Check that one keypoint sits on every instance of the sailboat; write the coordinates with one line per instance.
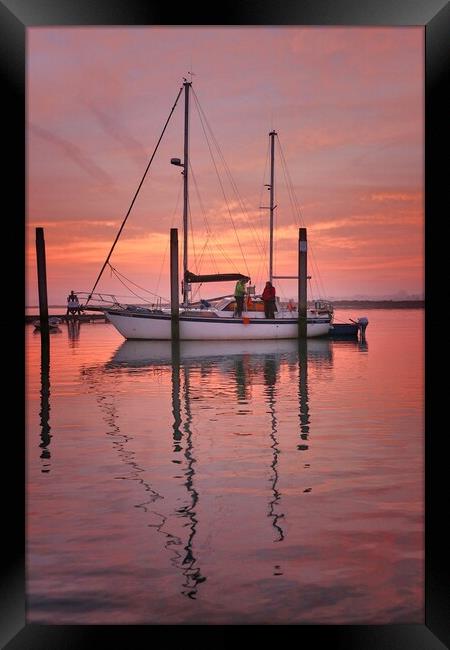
(216, 319)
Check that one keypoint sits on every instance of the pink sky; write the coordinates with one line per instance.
(348, 106)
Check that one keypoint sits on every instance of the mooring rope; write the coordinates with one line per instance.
(204, 121)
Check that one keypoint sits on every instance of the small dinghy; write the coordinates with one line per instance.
(53, 323)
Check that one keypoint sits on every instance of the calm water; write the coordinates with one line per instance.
(245, 484)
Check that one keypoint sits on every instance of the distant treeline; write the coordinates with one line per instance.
(380, 304)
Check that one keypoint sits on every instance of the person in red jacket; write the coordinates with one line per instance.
(268, 297)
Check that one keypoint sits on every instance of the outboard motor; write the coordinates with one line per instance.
(363, 321)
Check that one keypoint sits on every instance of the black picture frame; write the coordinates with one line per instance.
(15, 17)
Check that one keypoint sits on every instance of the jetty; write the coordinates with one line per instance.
(83, 318)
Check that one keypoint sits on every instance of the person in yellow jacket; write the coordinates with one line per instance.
(239, 293)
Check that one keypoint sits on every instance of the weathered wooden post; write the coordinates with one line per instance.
(174, 288)
(175, 322)
(302, 277)
(42, 282)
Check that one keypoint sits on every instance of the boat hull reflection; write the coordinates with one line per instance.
(135, 353)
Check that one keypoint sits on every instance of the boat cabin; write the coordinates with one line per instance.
(250, 304)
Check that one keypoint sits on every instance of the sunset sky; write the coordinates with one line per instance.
(348, 107)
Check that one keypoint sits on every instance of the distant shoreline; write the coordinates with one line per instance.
(380, 304)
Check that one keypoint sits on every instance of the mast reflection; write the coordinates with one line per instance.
(121, 442)
(245, 363)
(270, 378)
(139, 354)
(191, 571)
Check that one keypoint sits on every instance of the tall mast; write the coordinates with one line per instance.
(272, 135)
(187, 85)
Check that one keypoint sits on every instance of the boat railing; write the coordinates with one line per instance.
(99, 300)
(103, 301)
(323, 305)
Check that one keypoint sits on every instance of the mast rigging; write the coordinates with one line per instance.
(133, 200)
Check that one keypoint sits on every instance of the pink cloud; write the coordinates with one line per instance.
(347, 104)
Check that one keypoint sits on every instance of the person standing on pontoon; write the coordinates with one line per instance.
(73, 304)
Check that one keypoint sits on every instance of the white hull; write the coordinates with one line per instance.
(158, 327)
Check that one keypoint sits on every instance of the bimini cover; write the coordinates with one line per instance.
(217, 277)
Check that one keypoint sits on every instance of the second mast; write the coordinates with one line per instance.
(187, 85)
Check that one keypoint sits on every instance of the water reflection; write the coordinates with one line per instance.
(73, 331)
(243, 370)
(134, 354)
(171, 541)
(182, 442)
(176, 403)
(121, 441)
(242, 380)
(44, 413)
(303, 395)
(191, 571)
(363, 346)
(270, 371)
(187, 362)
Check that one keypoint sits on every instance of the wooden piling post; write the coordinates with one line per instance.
(175, 347)
(42, 281)
(174, 288)
(302, 287)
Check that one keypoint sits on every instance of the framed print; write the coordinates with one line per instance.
(118, 528)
